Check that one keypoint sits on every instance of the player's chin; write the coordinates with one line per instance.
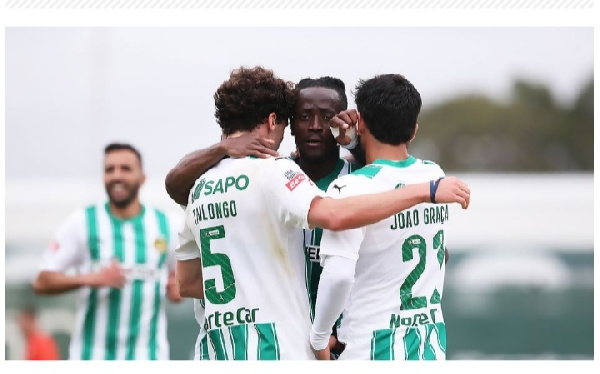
(313, 153)
(120, 202)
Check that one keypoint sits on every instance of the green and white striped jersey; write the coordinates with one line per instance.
(245, 216)
(312, 238)
(127, 323)
(394, 310)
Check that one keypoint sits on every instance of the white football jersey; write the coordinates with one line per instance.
(244, 215)
(394, 310)
(127, 323)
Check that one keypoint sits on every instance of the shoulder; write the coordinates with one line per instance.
(346, 185)
(428, 163)
(280, 165)
(79, 218)
(430, 166)
(367, 171)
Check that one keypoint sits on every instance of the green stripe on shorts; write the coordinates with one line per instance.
(382, 344)
(268, 345)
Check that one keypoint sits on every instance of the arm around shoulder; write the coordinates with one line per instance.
(361, 210)
(181, 177)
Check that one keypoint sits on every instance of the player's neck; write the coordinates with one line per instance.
(317, 170)
(127, 212)
(376, 150)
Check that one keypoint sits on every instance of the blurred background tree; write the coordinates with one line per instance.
(532, 132)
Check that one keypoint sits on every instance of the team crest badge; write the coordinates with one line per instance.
(160, 245)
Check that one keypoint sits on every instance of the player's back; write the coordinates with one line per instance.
(394, 311)
(253, 268)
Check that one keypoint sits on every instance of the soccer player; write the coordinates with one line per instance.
(387, 277)
(244, 215)
(120, 251)
(316, 102)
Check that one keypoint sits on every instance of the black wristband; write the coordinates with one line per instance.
(433, 186)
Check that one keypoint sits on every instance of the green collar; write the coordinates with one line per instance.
(134, 218)
(397, 164)
(324, 182)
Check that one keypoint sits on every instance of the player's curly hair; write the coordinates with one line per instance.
(246, 99)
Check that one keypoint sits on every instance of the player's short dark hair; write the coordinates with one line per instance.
(248, 97)
(335, 84)
(123, 146)
(389, 105)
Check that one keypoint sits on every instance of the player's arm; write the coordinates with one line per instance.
(66, 251)
(333, 293)
(182, 177)
(50, 282)
(189, 277)
(189, 266)
(339, 253)
(298, 202)
(356, 211)
(173, 293)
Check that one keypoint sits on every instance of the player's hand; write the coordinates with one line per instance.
(173, 289)
(453, 190)
(335, 347)
(322, 354)
(249, 144)
(109, 276)
(343, 121)
(295, 154)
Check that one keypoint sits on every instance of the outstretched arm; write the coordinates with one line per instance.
(181, 178)
(357, 211)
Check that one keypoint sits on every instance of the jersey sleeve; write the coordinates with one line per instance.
(288, 191)
(176, 222)
(187, 248)
(345, 243)
(68, 248)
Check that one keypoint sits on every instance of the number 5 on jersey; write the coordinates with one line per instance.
(216, 259)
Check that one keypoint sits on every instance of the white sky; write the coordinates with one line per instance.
(69, 91)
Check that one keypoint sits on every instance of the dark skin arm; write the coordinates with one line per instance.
(182, 177)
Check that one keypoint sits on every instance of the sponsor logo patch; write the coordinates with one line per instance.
(295, 181)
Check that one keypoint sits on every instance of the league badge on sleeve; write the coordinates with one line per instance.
(294, 179)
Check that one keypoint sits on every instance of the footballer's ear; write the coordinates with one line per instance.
(360, 124)
(272, 121)
(414, 133)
